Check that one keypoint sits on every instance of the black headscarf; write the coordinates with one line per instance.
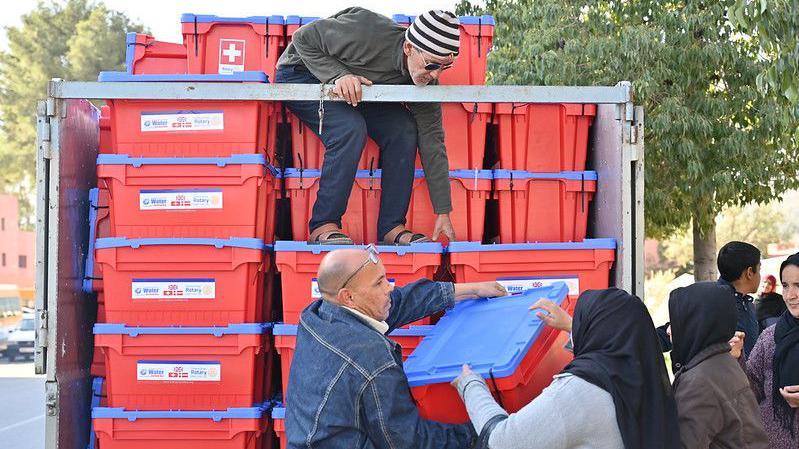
(616, 348)
(769, 305)
(785, 367)
(701, 315)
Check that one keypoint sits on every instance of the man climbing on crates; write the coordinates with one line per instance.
(357, 47)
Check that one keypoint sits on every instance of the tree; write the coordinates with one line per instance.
(74, 40)
(712, 139)
(776, 25)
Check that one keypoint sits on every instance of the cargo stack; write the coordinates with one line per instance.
(182, 226)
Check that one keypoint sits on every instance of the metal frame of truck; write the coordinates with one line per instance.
(67, 140)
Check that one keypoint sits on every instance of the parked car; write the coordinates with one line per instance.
(22, 338)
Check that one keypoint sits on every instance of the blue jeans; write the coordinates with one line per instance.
(344, 133)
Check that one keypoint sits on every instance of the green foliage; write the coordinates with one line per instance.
(711, 139)
(775, 23)
(71, 40)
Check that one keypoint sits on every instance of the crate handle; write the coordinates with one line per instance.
(582, 192)
(479, 36)
(196, 44)
(496, 389)
(266, 36)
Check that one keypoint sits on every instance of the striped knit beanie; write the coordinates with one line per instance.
(435, 32)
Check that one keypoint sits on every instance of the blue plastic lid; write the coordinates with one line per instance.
(239, 77)
(130, 50)
(235, 242)
(235, 159)
(378, 173)
(415, 248)
(520, 174)
(205, 18)
(471, 174)
(493, 336)
(88, 269)
(134, 331)
(412, 331)
(468, 247)
(279, 413)
(465, 20)
(300, 20)
(214, 415)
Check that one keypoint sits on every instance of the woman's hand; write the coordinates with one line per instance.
(555, 316)
(466, 371)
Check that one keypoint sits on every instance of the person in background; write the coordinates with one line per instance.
(715, 403)
(769, 306)
(615, 394)
(739, 267)
(773, 367)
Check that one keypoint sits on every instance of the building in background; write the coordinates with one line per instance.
(17, 262)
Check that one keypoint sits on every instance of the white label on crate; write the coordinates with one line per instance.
(173, 288)
(180, 199)
(231, 56)
(518, 285)
(182, 121)
(316, 294)
(178, 371)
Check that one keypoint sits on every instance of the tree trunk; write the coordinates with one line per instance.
(705, 254)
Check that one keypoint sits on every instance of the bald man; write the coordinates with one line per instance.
(347, 387)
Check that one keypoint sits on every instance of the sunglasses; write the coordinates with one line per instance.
(432, 66)
(371, 256)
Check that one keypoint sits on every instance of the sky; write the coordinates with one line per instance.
(163, 16)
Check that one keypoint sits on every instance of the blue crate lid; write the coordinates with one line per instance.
(571, 175)
(300, 20)
(415, 248)
(88, 269)
(492, 335)
(378, 173)
(412, 331)
(134, 331)
(471, 174)
(238, 77)
(206, 18)
(130, 49)
(465, 20)
(214, 415)
(279, 413)
(235, 242)
(235, 159)
(469, 247)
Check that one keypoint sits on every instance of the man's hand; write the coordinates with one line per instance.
(465, 371)
(443, 225)
(554, 316)
(791, 395)
(737, 344)
(348, 87)
(489, 289)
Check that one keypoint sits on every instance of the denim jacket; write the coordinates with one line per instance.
(347, 388)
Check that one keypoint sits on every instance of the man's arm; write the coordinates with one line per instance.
(430, 136)
(393, 421)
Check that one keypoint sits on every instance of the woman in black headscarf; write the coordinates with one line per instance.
(773, 366)
(618, 369)
(769, 306)
(715, 403)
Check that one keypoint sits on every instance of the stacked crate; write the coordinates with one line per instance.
(182, 226)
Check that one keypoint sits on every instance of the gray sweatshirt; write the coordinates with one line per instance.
(359, 42)
(569, 414)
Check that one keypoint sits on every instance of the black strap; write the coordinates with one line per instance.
(485, 434)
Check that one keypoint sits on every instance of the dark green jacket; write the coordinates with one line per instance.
(359, 42)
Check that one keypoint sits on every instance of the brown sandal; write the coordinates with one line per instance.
(400, 233)
(329, 234)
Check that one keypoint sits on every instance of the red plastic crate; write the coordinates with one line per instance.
(105, 144)
(185, 282)
(476, 39)
(225, 45)
(470, 189)
(185, 368)
(150, 128)
(543, 207)
(190, 197)
(145, 55)
(543, 137)
(582, 266)
(360, 220)
(293, 23)
(232, 428)
(279, 424)
(285, 342)
(298, 263)
(99, 227)
(308, 151)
